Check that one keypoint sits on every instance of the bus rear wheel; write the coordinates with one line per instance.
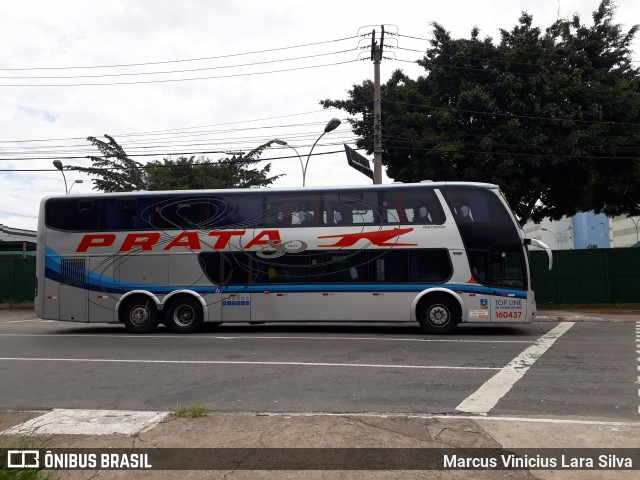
(183, 315)
(139, 314)
(438, 314)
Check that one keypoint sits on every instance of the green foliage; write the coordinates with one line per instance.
(191, 412)
(202, 173)
(26, 441)
(116, 172)
(552, 117)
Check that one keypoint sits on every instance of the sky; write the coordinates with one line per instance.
(169, 78)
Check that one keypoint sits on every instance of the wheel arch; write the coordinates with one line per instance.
(145, 293)
(191, 293)
(438, 290)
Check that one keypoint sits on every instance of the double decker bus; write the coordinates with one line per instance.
(435, 253)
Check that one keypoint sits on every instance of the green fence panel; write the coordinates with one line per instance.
(587, 276)
(17, 278)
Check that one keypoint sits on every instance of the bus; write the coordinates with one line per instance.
(433, 253)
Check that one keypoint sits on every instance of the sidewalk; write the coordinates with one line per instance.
(345, 431)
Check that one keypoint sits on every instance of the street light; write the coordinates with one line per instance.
(282, 142)
(331, 126)
(58, 165)
(559, 236)
(75, 181)
(555, 235)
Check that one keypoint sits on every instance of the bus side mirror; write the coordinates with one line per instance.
(537, 243)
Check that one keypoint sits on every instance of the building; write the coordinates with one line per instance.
(624, 231)
(586, 230)
(16, 241)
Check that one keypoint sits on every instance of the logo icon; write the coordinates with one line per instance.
(23, 459)
(275, 249)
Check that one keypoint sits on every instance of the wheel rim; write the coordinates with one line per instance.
(438, 315)
(139, 315)
(184, 315)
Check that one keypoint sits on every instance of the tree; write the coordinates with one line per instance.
(202, 173)
(116, 172)
(553, 117)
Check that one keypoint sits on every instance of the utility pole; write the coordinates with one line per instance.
(376, 56)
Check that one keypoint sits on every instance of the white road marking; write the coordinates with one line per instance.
(88, 422)
(487, 396)
(260, 337)
(229, 362)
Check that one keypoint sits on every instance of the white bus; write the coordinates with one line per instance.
(433, 253)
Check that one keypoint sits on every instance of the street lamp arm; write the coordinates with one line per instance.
(304, 169)
(329, 127)
(58, 164)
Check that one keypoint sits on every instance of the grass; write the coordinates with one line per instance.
(29, 441)
(191, 411)
(26, 475)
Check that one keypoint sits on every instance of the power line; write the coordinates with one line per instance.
(159, 132)
(139, 82)
(17, 214)
(176, 71)
(184, 60)
(512, 115)
(147, 166)
(393, 140)
(156, 143)
(156, 154)
(511, 49)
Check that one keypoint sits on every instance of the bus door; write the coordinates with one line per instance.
(228, 272)
(235, 300)
(508, 283)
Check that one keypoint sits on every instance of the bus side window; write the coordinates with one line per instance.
(413, 205)
(423, 216)
(465, 214)
(478, 262)
(431, 265)
(118, 214)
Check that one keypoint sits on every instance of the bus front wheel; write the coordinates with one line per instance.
(183, 315)
(139, 314)
(438, 314)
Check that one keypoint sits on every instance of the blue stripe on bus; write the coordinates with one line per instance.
(97, 282)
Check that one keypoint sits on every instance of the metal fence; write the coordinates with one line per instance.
(610, 275)
(17, 276)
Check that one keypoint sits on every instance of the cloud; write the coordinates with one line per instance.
(70, 33)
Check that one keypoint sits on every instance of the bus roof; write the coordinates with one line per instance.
(305, 190)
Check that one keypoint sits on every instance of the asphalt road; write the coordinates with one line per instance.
(585, 370)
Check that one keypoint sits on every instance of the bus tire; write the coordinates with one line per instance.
(438, 314)
(183, 315)
(139, 314)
